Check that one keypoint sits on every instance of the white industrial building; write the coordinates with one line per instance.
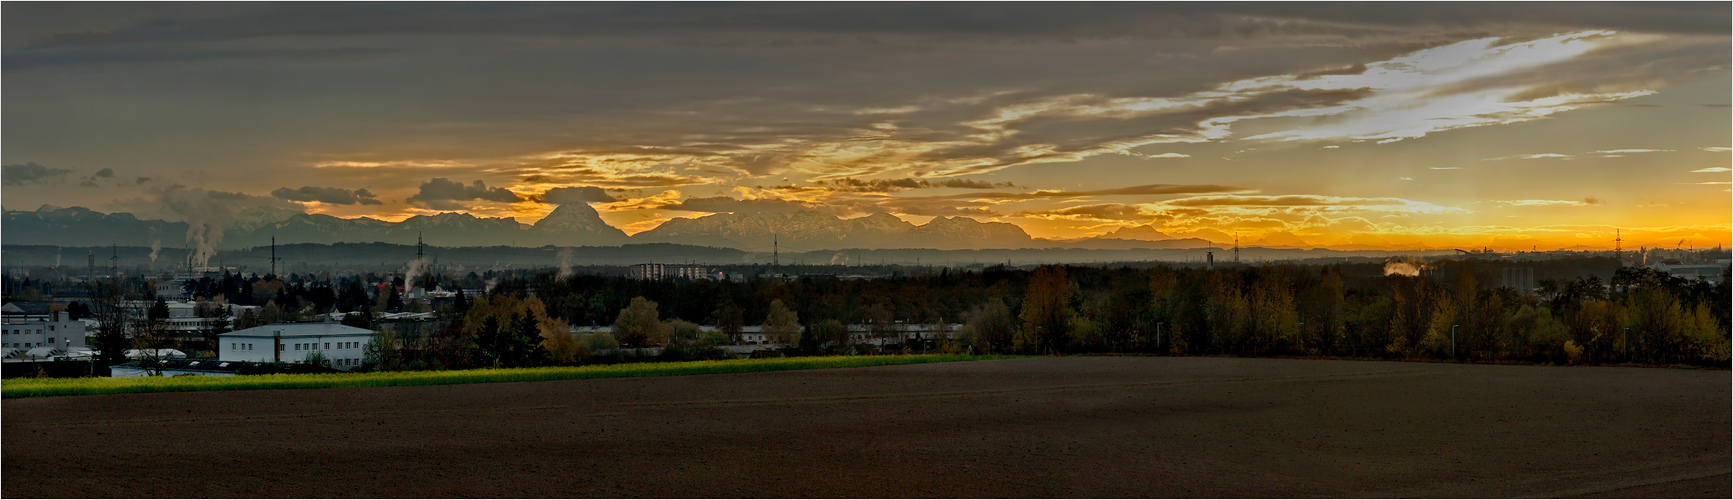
(183, 322)
(293, 342)
(1706, 272)
(34, 327)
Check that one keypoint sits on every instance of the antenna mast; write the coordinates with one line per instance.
(1618, 247)
(1236, 248)
(273, 255)
(418, 246)
(114, 260)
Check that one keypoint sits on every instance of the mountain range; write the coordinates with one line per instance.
(572, 224)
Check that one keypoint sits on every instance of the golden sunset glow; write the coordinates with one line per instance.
(1383, 132)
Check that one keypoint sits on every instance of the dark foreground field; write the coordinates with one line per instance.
(1039, 427)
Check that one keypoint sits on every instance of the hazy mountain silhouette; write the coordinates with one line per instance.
(568, 225)
(813, 230)
(572, 224)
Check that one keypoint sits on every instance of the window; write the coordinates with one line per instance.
(327, 345)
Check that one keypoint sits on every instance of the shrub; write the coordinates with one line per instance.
(1573, 352)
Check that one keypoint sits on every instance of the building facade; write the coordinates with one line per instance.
(27, 326)
(673, 271)
(294, 342)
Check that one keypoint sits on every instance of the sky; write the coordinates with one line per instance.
(1508, 125)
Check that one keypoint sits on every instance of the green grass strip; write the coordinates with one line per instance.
(29, 388)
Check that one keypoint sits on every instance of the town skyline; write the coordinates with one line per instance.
(1510, 126)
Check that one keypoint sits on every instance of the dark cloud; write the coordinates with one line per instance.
(1147, 189)
(105, 175)
(720, 204)
(831, 23)
(28, 61)
(143, 179)
(889, 185)
(443, 194)
(1105, 211)
(27, 173)
(330, 195)
(1298, 200)
(581, 194)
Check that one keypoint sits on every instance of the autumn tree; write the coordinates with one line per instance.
(728, 318)
(639, 325)
(991, 325)
(1228, 312)
(1047, 311)
(832, 331)
(781, 325)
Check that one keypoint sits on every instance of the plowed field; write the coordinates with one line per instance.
(1036, 427)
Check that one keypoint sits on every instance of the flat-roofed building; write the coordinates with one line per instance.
(294, 342)
(33, 325)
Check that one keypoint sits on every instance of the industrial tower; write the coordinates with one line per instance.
(1618, 246)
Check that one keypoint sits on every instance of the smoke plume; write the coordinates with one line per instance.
(206, 215)
(416, 269)
(1405, 267)
(566, 255)
(155, 247)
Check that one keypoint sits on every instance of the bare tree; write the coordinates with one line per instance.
(113, 318)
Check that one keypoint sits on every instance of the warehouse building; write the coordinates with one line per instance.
(294, 342)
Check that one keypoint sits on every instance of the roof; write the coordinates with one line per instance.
(298, 330)
(192, 365)
(159, 353)
(21, 307)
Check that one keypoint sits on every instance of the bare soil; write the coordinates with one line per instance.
(1039, 427)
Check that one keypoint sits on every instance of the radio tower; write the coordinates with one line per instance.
(774, 252)
(1618, 247)
(92, 256)
(1236, 248)
(274, 258)
(418, 246)
(114, 261)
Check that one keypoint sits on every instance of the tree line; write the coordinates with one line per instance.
(1583, 311)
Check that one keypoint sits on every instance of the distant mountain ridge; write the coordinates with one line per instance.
(567, 225)
(812, 230)
(572, 224)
